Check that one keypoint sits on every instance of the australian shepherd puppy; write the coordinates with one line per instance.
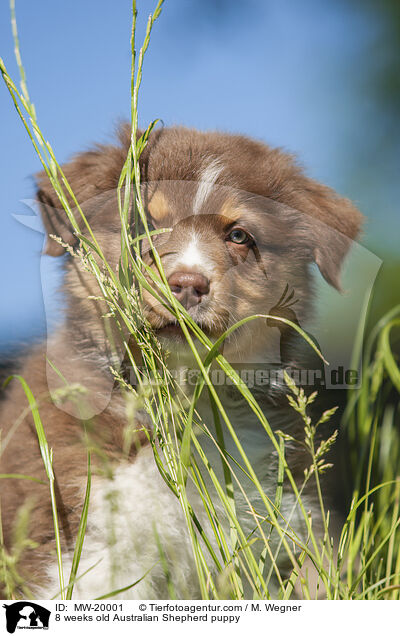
(244, 225)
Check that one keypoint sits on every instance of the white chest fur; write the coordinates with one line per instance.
(134, 513)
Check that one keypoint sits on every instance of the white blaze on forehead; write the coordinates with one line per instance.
(206, 183)
(191, 256)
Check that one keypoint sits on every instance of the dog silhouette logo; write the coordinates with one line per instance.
(26, 615)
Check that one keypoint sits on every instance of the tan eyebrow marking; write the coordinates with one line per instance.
(158, 206)
(231, 209)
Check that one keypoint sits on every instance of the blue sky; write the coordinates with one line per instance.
(293, 74)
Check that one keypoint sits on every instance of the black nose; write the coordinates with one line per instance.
(189, 288)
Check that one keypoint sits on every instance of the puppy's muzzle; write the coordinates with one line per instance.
(189, 288)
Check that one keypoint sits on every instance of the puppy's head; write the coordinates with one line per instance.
(244, 224)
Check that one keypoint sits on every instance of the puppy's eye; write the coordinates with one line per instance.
(238, 236)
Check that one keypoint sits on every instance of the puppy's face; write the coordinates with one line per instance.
(242, 224)
(226, 256)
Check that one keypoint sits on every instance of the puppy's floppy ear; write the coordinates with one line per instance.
(329, 224)
(54, 219)
(89, 174)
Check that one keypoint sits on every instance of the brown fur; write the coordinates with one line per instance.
(296, 220)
